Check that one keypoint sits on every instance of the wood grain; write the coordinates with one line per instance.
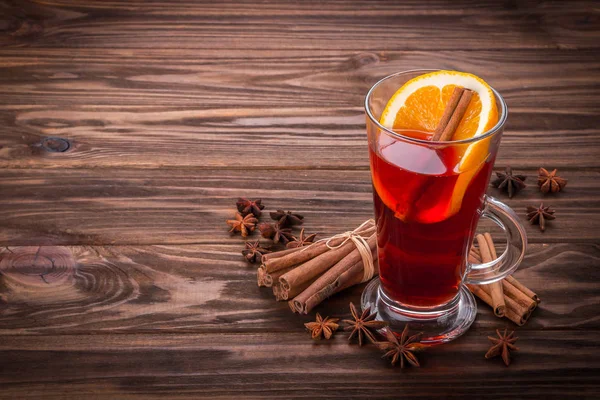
(305, 25)
(182, 206)
(133, 289)
(269, 365)
(128, 129)
(162, 107)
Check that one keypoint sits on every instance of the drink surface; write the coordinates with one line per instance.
(425, 225)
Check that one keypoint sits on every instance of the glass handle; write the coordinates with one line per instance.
(516, 243)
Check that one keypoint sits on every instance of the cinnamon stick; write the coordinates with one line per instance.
(273, 277)
(453, 113)
(511, 314)
(290, 259)
(260, 276)
(448, 112)
(287, 294)
(486, 247)
(304, 254)
(474, 257)
(292, 307)
(324, 287)
(519, 303)
(516, 307)
(277, 293)
(459, 113)
(350, 277)
(278, 254)
(490, 243)
(528, 292)
(511, 292)
(316, 266)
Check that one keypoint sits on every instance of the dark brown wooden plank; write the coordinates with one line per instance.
(303, 25)
(174, 110)
(549, 365)
(211, 288)
(184, 206)
(143, 108)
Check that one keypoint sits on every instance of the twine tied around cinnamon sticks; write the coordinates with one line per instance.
(361, 245)
(308, 275)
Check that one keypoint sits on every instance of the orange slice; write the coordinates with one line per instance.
(419, 105)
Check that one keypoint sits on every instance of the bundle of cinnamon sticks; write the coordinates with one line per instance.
(508, 298)
(305, 276)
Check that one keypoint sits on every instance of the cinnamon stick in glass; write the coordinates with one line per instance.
(453, 113)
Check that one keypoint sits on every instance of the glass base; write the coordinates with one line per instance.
(439, 325)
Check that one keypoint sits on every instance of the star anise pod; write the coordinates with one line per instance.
(509, 182)
(287, 218)
(246, 206)
(363, 325)
(539, 215)
(275, 232)
(322, 327)
(301, 241)
(244, 225)
(549, 182)
(502, 346)
(402, 349)
(254, 251)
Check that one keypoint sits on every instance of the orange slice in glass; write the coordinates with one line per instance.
(419, 105)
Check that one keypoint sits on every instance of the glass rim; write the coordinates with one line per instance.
(490, 132)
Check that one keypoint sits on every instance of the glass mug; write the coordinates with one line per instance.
(428, 198)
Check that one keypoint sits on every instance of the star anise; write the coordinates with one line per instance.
(502, 346)
(549, 182)
(254, 251)
(363, 325)
(402, 349)
(301, 241)
(245, 225)
(287, 218)
(539, 215)
(509, 182)
(275, 232)
(246, 206)
(322, 327)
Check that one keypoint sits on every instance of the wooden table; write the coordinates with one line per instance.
(129, 129)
